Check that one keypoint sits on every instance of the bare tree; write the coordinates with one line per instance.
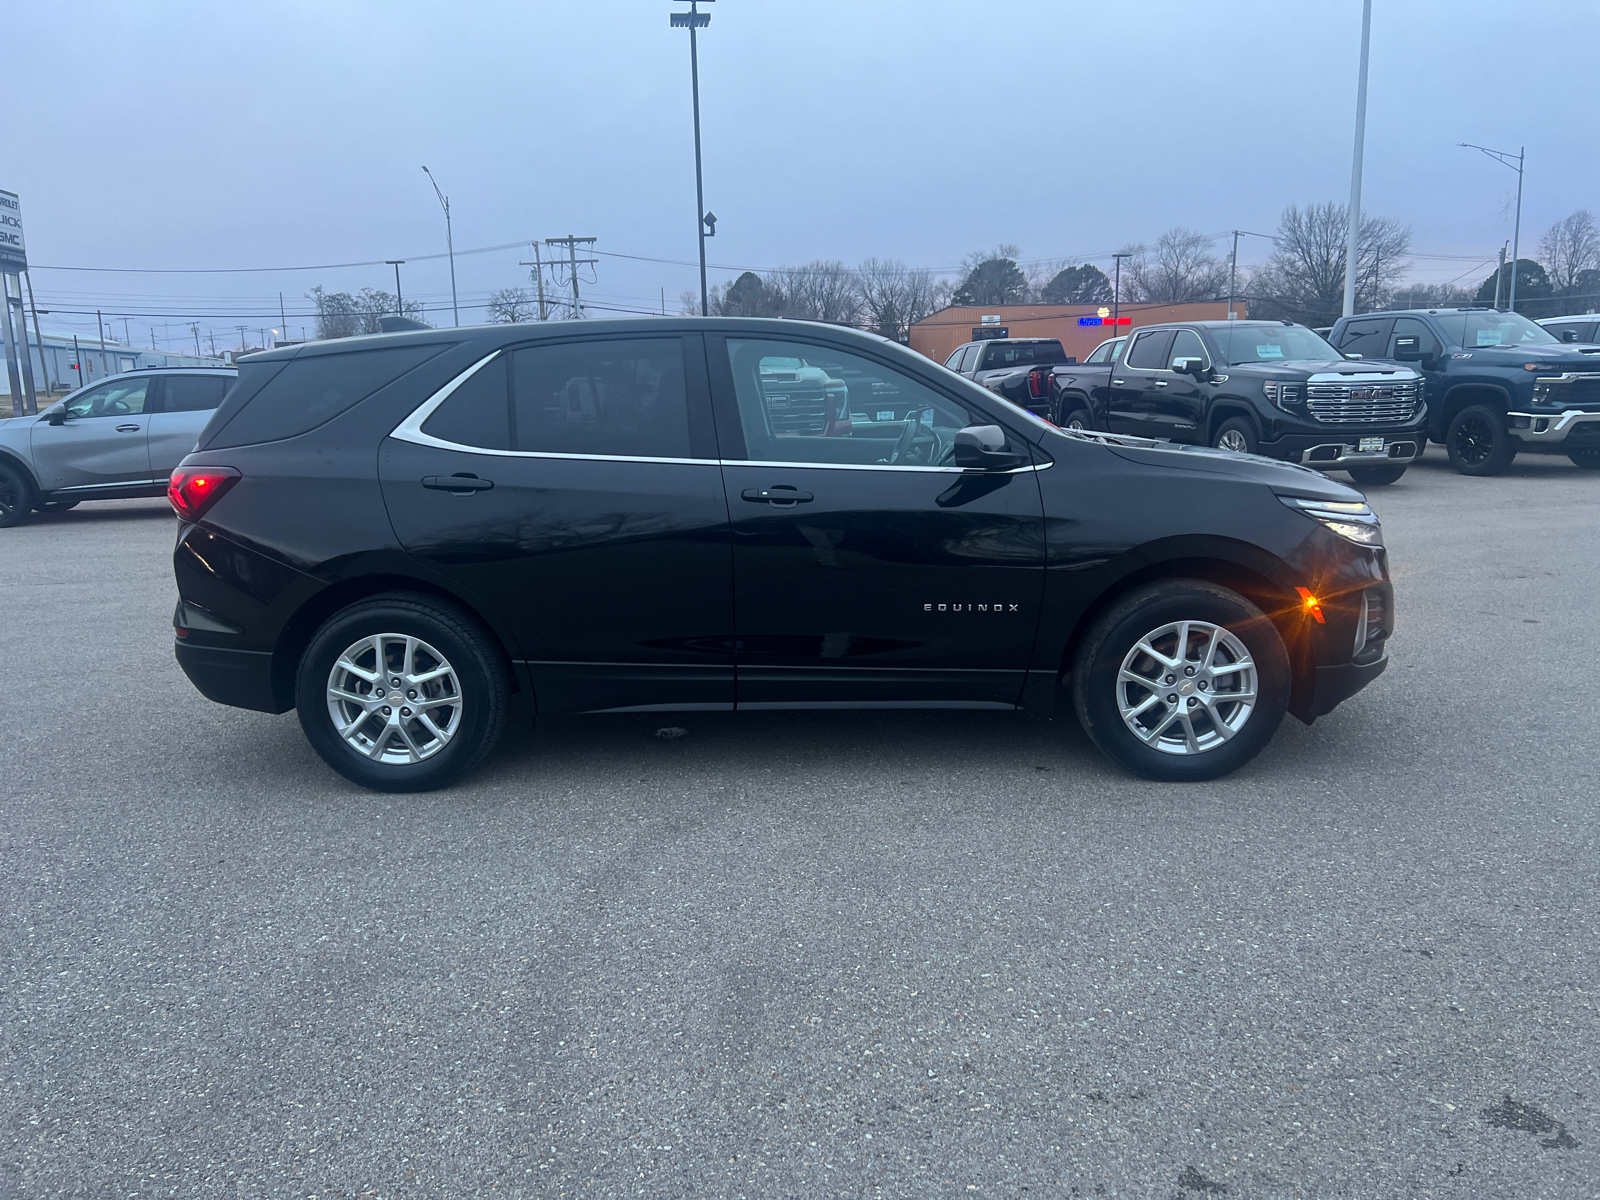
(1303, 280)
(511, 305)
(819, 291)
(1568, 249)
(893, 296)
(1429, 295)
(1178, 269)
(337, 316)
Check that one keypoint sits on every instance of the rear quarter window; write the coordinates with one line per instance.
(307, 392)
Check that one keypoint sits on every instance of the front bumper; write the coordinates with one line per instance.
(1334, 448)
(1536, 430)
(1334, 685)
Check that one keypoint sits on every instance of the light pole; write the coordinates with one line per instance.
(695, 20)
(1353, 237)
(449, 242)
(399, 302)
(1503, 157)
(1116, 293)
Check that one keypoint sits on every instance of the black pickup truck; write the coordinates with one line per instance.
(1004, 365)
(1496, 382)
(1258, 387)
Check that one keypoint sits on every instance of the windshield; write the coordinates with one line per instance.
(1494, 329)
(1271, 343)
(1023, 354)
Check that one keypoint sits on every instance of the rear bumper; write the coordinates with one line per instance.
(242, 678)
(1538, 431)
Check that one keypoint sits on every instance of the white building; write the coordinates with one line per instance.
(69, 362)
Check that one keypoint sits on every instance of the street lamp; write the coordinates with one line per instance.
(705, 223)
(1503, 157)
(1352, 244)
(449, 241)
(399, 302)
(1116, 291)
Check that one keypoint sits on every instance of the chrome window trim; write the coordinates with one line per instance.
(1133, 341)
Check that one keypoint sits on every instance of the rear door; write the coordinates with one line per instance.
(868, 569)
(573, 487)
(182, 408)
(102, 443)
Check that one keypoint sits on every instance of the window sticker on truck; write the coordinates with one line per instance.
(1269, 351)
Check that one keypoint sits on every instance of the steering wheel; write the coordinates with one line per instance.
(918, 445)
(115, 407)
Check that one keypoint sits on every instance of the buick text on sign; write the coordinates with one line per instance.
(13, 254)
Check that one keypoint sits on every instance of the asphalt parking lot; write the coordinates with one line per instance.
(835, 954)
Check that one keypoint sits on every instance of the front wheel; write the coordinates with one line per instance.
(1181, 680)
(1377, 476)
(16, 497)
(402, 693)
(1235, 434)
(1078, 418)
(1589, 460)
(1478, 442)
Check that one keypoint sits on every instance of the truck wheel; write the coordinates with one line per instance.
(16, 497)
(1181, 680)
(1078, 418)
(1478, 443)
(1371, 476)
(401, 693)
(1589, 460)
(1235, 434)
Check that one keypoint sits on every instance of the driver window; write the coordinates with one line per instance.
(805, 403)
(117, 398)
(1187, 344)
(1411, 327)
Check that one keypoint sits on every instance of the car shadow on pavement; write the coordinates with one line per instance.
(92, 512)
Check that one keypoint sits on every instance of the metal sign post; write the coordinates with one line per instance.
(13, 262)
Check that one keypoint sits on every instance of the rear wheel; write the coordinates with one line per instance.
(1589, 460)
(1181, 680)
(16, 497)
(1078, 418)
(1235, 434)
(1478, 443)
(1370, 476)
(402, 693)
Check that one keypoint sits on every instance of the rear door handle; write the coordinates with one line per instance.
(780, 496)
(460, 485)
(129, 428)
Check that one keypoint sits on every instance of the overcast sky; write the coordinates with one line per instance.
(211, 135)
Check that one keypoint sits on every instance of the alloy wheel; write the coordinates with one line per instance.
(1473, 441)
(1186, 687)
(1234, 440)
(393, 698)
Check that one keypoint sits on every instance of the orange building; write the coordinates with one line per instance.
(1078, 327)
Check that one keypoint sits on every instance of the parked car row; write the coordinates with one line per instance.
(1366, 400)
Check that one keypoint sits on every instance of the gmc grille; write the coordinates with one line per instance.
(1362, 403)
(795, 407)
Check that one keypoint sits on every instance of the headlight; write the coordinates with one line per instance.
(1354, 522)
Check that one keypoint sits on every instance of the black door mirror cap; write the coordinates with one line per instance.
(58, 417)
(1569, 335)
(979, 447)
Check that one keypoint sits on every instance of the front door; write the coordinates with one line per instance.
(572, 486)
(102, 443)
(868, 569)
(1145, 361)
(1174, 401)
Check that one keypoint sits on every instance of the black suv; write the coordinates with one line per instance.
(1272, 388)
(394, 533)
(1497, 383)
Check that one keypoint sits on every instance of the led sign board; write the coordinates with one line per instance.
(1105, 320)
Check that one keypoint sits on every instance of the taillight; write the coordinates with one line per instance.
(1036, 383)
(192, 490)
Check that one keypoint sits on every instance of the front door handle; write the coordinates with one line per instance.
(1160, 383)
(457, 485)
(779, 496)
(1119, 382)
(129, 428)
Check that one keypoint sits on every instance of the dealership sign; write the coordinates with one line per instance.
(13, 254)
(1105, 320)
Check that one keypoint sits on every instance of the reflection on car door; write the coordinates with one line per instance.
(183, 405)
(572, 488)
(867, 570)
(1128, 410)
(103, 441)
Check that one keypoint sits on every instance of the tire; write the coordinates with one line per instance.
(16, 497)
(1478, 443)
(1235, 434)
(1588, 460)
(1078, 418)
(1377, 476)
(440, 742)
(55, 506)
(1155, 615)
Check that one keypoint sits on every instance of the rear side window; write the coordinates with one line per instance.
(1365, 338)
(1025, 354)
(1149, 351)
(310, 391)
(478, 412)
(601, 397)
(954, 361)
(192, 393)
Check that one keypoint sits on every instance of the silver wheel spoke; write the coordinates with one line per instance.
(1233, 668)
(427, 676)
(1191, 743)
(426, 722)
(424, 703)
(1145, 704)
(1155, 654)
(353, 697)
(344, 664)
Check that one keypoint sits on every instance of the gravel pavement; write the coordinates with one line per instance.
(928, 954)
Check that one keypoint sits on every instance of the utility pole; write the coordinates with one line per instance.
(399, 304)
(694, 20)
(538, 276)
(1499, 277)
(211, 334)
(573, 263)
(241, 329)
(283, 320)
(1352, 239)
(1503, 157)
(1116, 292)
(77, 361)
(1233, 270)
(126, 336)
(104, 370)
(449, 243)
(44, 366)
(195, 329)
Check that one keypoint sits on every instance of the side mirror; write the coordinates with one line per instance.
(1189, 366)
(59, 417)
(1569, 335)
(1408, 349)
(1351, 354)
(978, 447)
